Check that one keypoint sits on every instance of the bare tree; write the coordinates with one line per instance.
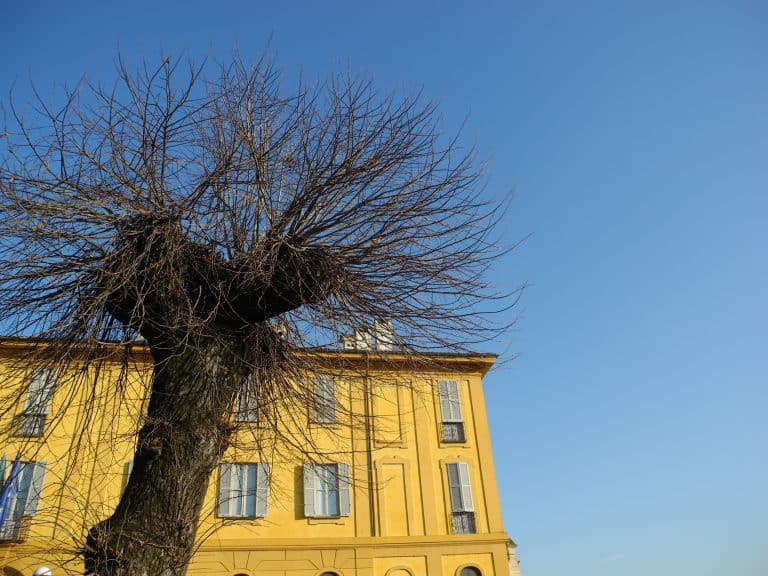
(237, 227)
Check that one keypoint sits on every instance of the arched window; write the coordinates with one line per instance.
(329, 574)
(470, 571)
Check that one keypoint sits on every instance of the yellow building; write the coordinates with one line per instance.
(401, 483)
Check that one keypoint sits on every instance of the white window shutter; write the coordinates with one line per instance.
(225, 481)
(309, 490)
(35, 489)
(325, 399)
(466, 488)
(450, 403)
(345, 501)
(262, 489)
(40, 391)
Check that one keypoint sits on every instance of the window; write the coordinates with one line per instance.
(247, 409)
(243, 490)
(324, 393)
(450, 409)
(326, 490)
(462, 506)
(21, 485)
(470, 571)
(32, 419)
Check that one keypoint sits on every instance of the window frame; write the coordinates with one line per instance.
(249, 502)
(460, 498)
(324, 399)
(37, 403)
(20, 494)
(323, 499)
(248, 396)
(451, 413)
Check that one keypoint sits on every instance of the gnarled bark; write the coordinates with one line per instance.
(186, 431)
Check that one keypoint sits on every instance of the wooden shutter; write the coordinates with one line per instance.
(225, 481)
(345, 500)
(310, 481)
(450, 403)
(262, 489)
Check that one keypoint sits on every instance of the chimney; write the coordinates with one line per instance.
(384, 334)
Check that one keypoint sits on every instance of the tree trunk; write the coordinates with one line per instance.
(186, 432)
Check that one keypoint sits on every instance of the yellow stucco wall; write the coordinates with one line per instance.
(400, 504)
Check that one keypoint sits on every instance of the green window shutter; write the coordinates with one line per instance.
(309, 490)
(345, 504)
(37, 476)
(262, 489)
(225, 480)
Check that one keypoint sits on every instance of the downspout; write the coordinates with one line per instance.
(369, 445)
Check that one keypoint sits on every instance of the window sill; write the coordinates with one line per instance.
(328, 520)
(250, 519)
(443, 444)
(334, 424)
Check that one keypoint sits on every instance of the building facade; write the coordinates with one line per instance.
(399, 480)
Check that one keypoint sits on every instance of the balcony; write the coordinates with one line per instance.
(30, 424)
(15, 529)
(453, 433)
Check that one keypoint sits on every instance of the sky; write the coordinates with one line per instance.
(629, 412)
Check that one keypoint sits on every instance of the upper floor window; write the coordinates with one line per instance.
(470, 571)
(450, 410)
(20, 488)
(243, 490)
(326, 490)
(324, 400)
(462, 505)
(41, 386)
(247, 407)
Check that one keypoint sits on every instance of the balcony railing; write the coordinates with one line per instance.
(463, 523)
(30, 424)
(14, 529)
(453, 432)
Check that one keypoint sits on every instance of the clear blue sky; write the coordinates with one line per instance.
(630, 432)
